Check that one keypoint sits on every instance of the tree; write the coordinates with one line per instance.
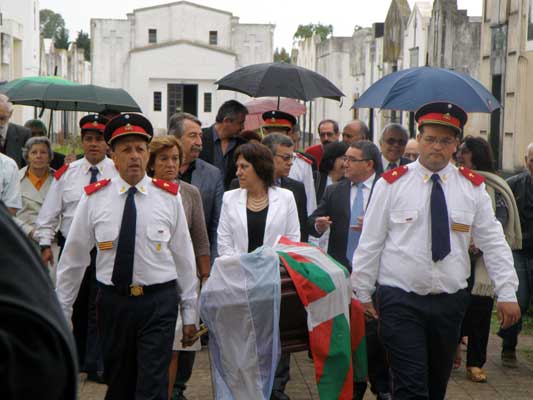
(50, 23)
(282, 56)
(84, 42)
(306, 31)
(61, 39)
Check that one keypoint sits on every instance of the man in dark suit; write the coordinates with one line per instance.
(12, 136)
(221, 139)
(341, 210)
(208, 179)
(392, 142)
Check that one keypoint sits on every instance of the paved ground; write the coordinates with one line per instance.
(503, 383)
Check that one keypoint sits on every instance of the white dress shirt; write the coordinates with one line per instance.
(163, 247)
(395, 245)
(63, 197)
(302, 171)
(9, 182)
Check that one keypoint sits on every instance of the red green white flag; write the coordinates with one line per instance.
(336, 340)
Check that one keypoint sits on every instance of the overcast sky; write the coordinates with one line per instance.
(286, 14)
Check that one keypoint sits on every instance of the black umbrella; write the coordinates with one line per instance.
(281, 80)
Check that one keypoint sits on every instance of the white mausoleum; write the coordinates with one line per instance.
(169, 56)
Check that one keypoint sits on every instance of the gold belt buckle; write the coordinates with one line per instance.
(136, 291)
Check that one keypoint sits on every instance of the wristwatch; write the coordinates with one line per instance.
(44, 246)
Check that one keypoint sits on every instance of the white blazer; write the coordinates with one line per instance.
(282, 219)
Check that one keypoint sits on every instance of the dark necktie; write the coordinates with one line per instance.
(94, 173)
(123, 268)
(440, 225)
(391, 166)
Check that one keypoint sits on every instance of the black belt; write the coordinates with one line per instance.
(137, 290)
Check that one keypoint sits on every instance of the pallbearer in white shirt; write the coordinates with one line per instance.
(415, 240)
(139, 228)
(58, 211)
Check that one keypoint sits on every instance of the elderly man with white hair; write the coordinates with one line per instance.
(12, 136)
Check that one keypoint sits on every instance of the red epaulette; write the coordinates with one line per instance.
(394, 174)
(302, 157)
(476, 179)
(61, 171)
(170, 187)
(96, 186)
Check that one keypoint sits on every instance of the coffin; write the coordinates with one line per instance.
(294, 333)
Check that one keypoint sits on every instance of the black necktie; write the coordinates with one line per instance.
(391, 166)
(94, 173)
(440, 226)
(123, 268)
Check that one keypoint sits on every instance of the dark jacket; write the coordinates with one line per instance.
(34, 335)
(208, 154)
(521, 185)
(16, 138)
(298, 190)
(335, 203)
(208, 179)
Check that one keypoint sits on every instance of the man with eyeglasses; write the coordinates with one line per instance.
(276, 121)
(328, 132)
(392, 142)
(415, 241)
(341, 211)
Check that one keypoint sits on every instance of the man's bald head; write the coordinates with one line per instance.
(411, 149)
(355, 130)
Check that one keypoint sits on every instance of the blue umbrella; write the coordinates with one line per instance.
(409, 89)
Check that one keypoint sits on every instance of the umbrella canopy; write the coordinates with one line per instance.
(279, 79)
(257, 107)
(410, 89)
(90, 98)
(11, 88)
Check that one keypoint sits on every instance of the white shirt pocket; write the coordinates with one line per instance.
(158, 237)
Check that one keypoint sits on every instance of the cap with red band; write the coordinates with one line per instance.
(127, 125)
(93, 122)
(276, 118)
(442, 113)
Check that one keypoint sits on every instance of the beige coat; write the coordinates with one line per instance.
(32, 200)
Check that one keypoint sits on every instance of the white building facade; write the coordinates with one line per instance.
(169, 56)
(19, 44)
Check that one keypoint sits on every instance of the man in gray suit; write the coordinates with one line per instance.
(208, 179)
(13, 137)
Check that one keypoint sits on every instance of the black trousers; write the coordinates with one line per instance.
(184, 372)
(378, 366)
(476, 325)
(137, 335)
(420, 335)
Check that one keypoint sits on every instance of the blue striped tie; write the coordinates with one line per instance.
(357, 211)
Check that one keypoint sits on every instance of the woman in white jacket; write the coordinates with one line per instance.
(258, 212)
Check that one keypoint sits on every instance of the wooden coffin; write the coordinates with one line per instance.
(294, 333)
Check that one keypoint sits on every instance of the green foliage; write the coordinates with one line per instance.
(50, 23)
(306, 31)
(61, 39)
(282, 55)
(84, 42)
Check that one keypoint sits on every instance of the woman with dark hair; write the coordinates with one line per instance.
(475, 153)
(257, 212)
(331, 168)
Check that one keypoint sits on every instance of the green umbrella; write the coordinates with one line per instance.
(89, 98)
(10, 88)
